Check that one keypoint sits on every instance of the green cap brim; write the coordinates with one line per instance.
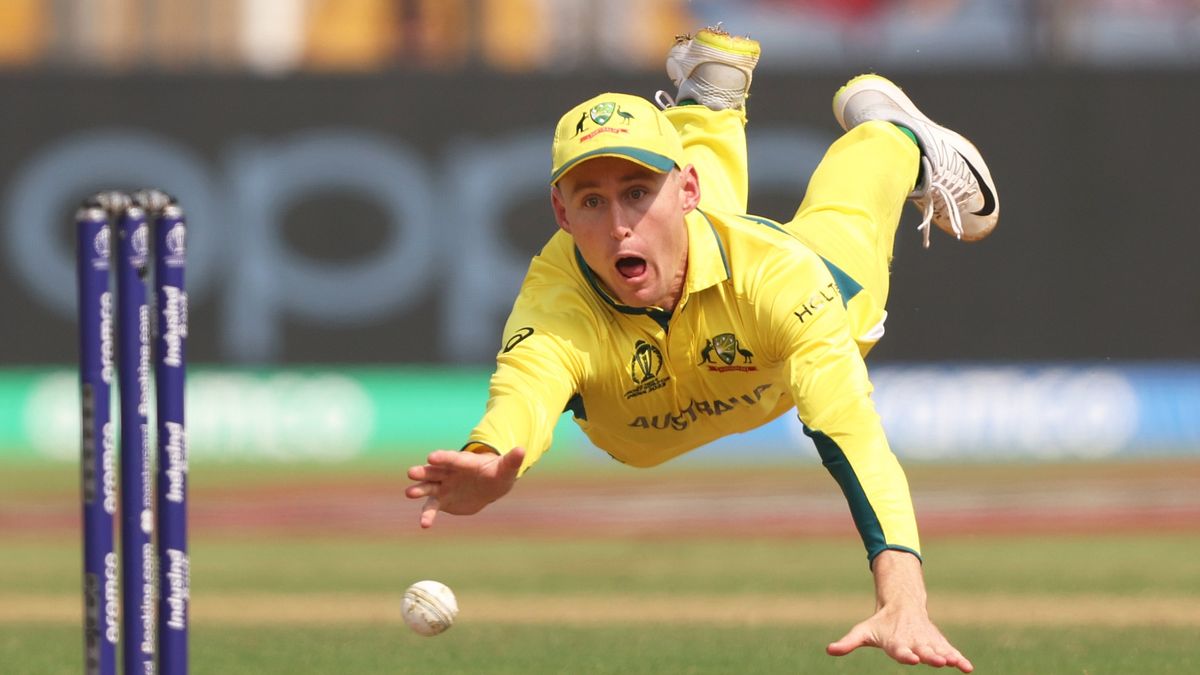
(652, 160)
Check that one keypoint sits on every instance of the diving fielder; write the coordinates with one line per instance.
(664, 317)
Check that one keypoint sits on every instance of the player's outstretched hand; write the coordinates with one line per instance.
(901, 626)
(462, 483)
(907, 639)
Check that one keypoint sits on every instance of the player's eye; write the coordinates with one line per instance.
(637, 193)
(591, 202)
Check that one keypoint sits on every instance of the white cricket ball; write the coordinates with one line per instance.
(429, 607)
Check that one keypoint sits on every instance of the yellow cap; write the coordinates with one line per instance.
(616, 125)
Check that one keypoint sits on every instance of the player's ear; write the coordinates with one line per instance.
(559, 204)
(689, 185)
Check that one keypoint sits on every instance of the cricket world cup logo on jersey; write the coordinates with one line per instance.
(645, 368)
(727, 350)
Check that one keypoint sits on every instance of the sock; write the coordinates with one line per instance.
(920, 167)
(907, 132)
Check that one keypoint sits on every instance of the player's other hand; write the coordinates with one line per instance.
(901, 626)
(462, 483)
(909, 640)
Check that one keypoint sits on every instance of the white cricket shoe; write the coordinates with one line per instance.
(957, 192)
(713, 68)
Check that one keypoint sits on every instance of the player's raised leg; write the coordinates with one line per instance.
(891, 153)
(851, 211)
(956, 191)
(712, 71)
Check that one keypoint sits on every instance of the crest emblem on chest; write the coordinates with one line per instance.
(725, 349)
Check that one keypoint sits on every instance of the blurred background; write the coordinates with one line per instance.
(366, 181)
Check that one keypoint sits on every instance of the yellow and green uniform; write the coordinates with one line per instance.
(772, 316)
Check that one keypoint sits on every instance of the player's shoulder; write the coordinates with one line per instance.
(753, 241)
(554, 288)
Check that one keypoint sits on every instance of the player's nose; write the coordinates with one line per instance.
(620, 225)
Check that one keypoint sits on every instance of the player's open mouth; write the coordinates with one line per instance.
(631, 267)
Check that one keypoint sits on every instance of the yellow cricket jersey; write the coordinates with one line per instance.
(762, 326)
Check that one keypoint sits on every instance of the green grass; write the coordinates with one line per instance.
(663, 650)
(1128, 568)
(1149, 564)
(1158, 565)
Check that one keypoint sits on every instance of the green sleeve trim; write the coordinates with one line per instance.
(896, 547)
(838, 465)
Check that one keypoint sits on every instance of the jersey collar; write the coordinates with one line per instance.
(707, 263)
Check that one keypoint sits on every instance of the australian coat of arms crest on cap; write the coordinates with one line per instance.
(602, 112)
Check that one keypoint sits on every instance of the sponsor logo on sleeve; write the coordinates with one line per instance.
(516, 339)
(816, 302)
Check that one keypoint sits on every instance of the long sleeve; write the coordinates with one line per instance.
(538, 369)
(828, 381)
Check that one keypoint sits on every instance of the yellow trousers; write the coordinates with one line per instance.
(850, 212)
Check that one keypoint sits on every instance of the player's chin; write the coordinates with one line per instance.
(640, 299)
(637, 292)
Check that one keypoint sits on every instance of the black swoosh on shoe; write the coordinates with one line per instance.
(989, 199)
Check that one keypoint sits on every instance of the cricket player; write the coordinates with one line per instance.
(662, 316)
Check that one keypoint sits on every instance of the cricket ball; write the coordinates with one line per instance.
(429, 607)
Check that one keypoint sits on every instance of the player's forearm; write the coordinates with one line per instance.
(876, 490)
(516, 417)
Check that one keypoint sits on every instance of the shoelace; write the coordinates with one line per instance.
(940, 194)
(710, 94)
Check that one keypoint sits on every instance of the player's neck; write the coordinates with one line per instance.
(675, 289)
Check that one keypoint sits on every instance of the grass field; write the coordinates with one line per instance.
(282, 597)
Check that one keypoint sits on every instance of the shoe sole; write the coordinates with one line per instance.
(729, 43)
(740, 53)
(962, 146)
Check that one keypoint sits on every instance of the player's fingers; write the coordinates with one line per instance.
(510, 463)
(929, 656)
(421, 490)
(903, 655)
(459, 461)
(955, 659)
(944, 654)
(429, 512)
(439, 458)
(419, 472)
(429, 473)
